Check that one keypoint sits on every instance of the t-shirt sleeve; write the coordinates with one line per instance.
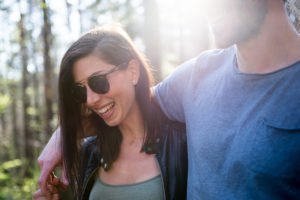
(170, 93)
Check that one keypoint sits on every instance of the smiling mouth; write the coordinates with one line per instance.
(105, 109)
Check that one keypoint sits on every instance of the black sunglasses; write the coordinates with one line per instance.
(97, 82)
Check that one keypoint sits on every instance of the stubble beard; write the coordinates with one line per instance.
(244, 29)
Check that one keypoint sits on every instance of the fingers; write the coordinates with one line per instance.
(52, 189)
(64, 177)
(62, 186)
(52, 194)
(54, 180)
(45, 174)
(55, 197)
(57, 182)
(38, 195)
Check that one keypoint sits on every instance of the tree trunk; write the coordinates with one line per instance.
(15, 131)
(48, 69)
(37, 117)
(152, 37)
(29, 151)
(80, 16)
(69, 10)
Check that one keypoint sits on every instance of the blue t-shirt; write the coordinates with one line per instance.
(243, 129)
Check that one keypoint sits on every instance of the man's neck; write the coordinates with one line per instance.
(275, 46)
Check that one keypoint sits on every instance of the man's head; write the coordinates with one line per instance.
(235, 21)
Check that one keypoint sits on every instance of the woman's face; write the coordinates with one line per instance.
(119, 102)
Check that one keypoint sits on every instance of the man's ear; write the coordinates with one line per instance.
(134, 70)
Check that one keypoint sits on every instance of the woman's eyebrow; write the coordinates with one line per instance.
(98, 73)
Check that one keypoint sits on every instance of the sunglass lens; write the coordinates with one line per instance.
(99, 84)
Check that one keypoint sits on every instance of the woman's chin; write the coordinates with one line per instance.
(111, 123)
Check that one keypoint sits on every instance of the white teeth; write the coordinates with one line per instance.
(106, 108)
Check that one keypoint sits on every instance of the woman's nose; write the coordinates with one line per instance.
(91, 97)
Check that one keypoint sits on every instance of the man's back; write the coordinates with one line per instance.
(243, 129)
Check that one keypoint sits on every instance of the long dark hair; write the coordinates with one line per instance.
(113, 45)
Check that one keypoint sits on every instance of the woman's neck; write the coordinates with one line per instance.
(132, 128)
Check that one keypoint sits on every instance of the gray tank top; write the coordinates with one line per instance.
(145, 190)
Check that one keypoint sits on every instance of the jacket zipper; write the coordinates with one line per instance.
(162, 178)
(83, 191)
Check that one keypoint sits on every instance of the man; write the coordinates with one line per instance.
(240, 104)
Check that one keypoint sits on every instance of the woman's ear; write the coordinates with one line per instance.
(134, 70)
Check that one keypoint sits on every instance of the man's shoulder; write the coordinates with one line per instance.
(210, 54)
(205, 63)
(208, 61)
(295, 67)
(215, 57)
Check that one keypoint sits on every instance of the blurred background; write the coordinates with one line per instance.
(34, 34)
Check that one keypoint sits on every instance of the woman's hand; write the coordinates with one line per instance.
(52, 189)
(38, 195)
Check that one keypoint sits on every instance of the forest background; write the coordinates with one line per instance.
(34, 35)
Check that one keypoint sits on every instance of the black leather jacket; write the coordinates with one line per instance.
(170, 151)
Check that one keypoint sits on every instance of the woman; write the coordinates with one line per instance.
(137, 153)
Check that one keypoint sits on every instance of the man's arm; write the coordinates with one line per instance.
(49, 159)
(51, 156)
(169, 94)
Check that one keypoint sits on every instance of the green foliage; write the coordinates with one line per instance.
(13, 185)
(4, 102)
(8, 165)
(43, 5)
(32, 111)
